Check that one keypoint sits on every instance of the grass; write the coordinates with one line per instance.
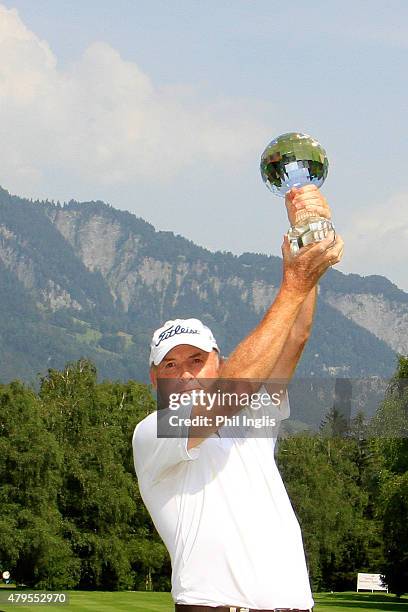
(358, 602)
(97, 601)
(127, 337)
(89, 335)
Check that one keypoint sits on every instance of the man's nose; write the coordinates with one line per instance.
(185, 374)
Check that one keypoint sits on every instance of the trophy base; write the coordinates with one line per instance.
(308, 231)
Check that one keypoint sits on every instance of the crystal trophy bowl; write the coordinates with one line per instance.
(295, 160)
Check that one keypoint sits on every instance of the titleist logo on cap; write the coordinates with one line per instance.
(173, 331)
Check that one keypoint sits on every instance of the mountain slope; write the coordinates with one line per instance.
(94, 281)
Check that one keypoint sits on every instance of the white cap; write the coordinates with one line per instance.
(180, 331)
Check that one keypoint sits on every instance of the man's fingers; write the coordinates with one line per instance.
(337, 246)
(323, 250)
(313, 202)
(338, 259)
(304, 189)
(328, 262)
(306, 267)
(318, 248)
(297, 192)
(308, 195)
(314, 199)
(321, 211)
(336, 253)
(285, 247)
(330, 256)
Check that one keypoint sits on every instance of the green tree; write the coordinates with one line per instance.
(103, 515)
(323, 482)
(32, 546)
(390, 428)
(395, 532)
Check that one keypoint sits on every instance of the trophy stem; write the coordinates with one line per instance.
(307, 229)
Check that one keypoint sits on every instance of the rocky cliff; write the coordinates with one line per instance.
(99, 280)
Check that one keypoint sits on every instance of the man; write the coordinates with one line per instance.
(218, 500)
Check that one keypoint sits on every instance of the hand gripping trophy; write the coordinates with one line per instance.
(295, 160)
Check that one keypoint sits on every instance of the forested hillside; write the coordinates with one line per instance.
(87, 280)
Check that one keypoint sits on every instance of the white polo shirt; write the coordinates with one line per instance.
(223, 513)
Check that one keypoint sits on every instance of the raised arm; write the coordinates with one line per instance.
(296, 341)
(309, 198)
(258, 354)
(287, 325)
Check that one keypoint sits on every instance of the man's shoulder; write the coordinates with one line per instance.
(144, 441)
(146, 426)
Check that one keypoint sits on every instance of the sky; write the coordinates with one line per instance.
(164, 108)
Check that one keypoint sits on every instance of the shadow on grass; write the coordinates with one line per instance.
(364, 601)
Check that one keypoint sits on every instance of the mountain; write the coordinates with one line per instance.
(87, 280)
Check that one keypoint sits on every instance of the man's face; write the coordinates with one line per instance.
(186, 364)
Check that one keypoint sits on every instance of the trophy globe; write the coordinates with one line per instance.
(295, 160)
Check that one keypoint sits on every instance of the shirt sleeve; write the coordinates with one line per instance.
(155, 457)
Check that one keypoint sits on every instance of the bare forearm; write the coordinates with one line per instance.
(258, 353)
(296, 340)
(302, 326)
(253, 358)
(276, 344)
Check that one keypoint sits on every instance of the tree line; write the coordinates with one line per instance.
(72, 516)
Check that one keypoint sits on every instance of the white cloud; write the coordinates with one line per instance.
(102, 120)
(376, 240)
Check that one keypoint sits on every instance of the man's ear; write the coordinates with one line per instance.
(153, 376)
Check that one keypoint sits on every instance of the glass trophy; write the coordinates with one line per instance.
(295, 160)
